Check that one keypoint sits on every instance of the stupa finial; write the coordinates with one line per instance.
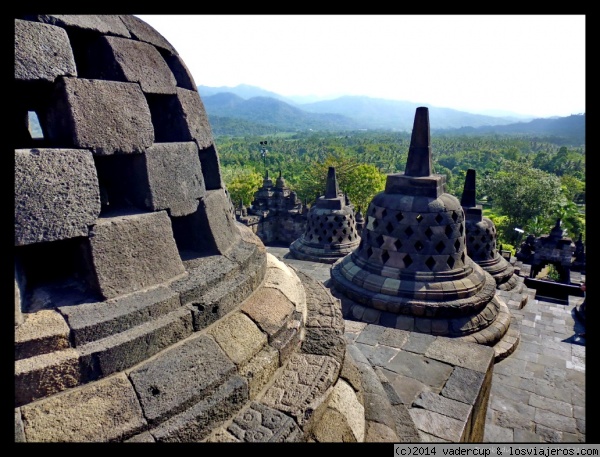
(468, 196)
(419, 154)
(331, 189)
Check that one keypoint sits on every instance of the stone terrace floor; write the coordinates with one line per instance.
(538, 393)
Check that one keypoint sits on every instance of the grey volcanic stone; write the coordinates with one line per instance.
(196, 118)
(56, 194)
(133, 252)
(145, 32)
(260, 423)
(107, 410)
(93, 321)
(197, 422)
(464, 385)
(42, 52)
(108, 117)
(122, 59)
(174, 177)
(180, 377)
(106, 23)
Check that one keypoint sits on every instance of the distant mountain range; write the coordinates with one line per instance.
(252, 110)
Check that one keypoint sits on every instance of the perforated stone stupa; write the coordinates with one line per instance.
(482, 237)
(411, 269)
(331, 231)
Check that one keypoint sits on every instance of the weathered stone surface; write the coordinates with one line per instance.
(238, 337)
(42, 52)
(439, 404)
(464, 385)
(380, 433)
(269, 309)
(107, 117)
(93, 321)
(467, 355)
(196, 423)
(421, 368)
(174, 177)
(344, 420)
(123, 350)
(281, 277)
(145, 32)
(46, 374)
(180, 376)
(19, 431)
(260, 423)
(303, 387)
(121, 59)
(196, 122)
(438, 425)
(43, 332)
(105, 23)
(133, 252)
(56, 194)
(107, 410)
(324, 341)
(260, 370)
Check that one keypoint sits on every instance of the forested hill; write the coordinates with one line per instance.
(231, 114)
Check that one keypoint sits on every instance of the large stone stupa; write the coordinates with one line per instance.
(411, 270)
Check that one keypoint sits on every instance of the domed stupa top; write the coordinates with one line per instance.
(330, 229)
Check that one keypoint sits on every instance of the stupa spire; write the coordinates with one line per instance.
(331, 189)
(419, 153)
(468, 196)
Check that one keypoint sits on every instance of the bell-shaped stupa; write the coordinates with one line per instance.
(330, 229)
(411, 270)
(481, 240)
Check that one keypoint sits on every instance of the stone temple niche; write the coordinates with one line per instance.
(481, 240)
(411, 270)
(144, 311)
(330, 229)
(556, 249)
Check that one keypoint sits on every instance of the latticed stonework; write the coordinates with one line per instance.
(482, 240)
(331, 231)
(411, 269)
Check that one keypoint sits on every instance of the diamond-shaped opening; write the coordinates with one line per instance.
(344, 231)
(419, 246)
(409, 231)
(325, 231)
(319, 239)
(321, 225)
(454, 216)
(477, 246)
(340, 224)
(440, 247)
(330, 225)
(383, 213)
(379, 241)
(430, 262)
(471, 239)
(428, 233)
(385, 256)
(487, 230)
(462, 257)
(373, 210)
(488, 246)
(483, 239)
(419, 218)
(407, 261)
(350, 237)
(399, 216)
(457, 245)
(448, 231)
(450, 262)
(375, 223)
(336, 218)
(439, 218)
(398, 244)
(340, 239)
(389, 227)
(330, 239)
(461, 229)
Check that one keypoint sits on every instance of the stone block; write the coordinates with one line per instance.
(43, 332)
(260, 370)
(121, 59)
(180, 376)
(238, 337)
(105, 23)
(133, 252)
(196, 423)
(42, 52)
(107, 117)
(56, 194)
(107, 410)
(145, 32)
